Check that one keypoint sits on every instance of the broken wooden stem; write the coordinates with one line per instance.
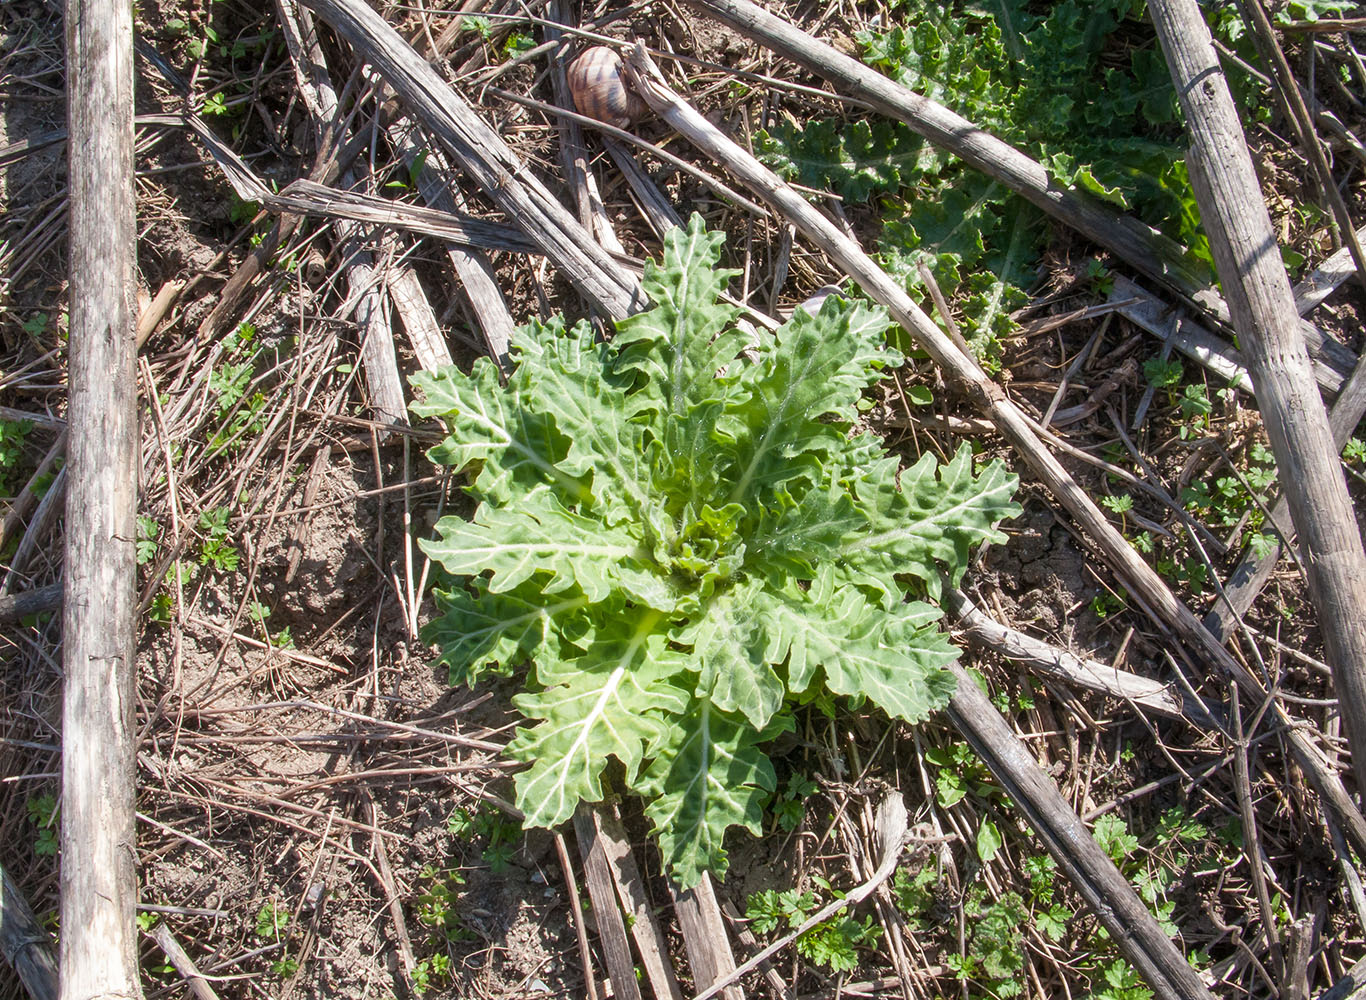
(1259, 295)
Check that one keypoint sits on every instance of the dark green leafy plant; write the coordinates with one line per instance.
(961, 772)
(1079, 85)
(995, 951)
(914, 893)
(271, 920)
(217, 551)
(148, 534)
(682, 542)
(1312, 10)
(238, 414)
(790, 806)
(42, 813)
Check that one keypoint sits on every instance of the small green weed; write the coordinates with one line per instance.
(914, 893)
(436, 906)
(1164, 373)
(271, 921)
(432, 971)
(273, 924)
(989, 841)
(1102, 280)
(162, 609)
(197, 47)
(409, 181)
(1235, 500)
(482, 25)
(501, 836)
(239, 214)
(994, 956)
(280, 638)
(1312, 10)
(919, 395)
(961, 772)
(1113, 835)
(146, 921)
(42, 813)
(238, 415)
(1119, 503)
(790, 806)
(518, 44)
(13, 434)
(40, 484)
(832, 944)
(1050, 915)
(216, 551)
(438, 911)
(36, 325)
(1105, 604)
(284, 967)
(770, 909)
(1196, 407)
(148, 533)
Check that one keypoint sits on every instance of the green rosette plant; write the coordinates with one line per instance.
(684, 536)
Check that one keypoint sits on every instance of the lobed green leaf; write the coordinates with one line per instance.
(682, 541)
(930, 516)
(613, 701)
(709, 775)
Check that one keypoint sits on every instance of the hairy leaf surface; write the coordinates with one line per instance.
(614, 701)
(679, 540)
(710, 775)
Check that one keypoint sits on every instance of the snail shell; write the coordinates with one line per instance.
(600, 91)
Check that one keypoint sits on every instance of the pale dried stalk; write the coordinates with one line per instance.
(98, 836)
(1258, 290)
(1059, 664)
(486, 157)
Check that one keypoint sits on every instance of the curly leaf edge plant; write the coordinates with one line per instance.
(685, 536)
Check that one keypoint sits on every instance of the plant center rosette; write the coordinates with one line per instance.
(682, 543)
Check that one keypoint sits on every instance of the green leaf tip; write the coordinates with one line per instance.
(681, 535)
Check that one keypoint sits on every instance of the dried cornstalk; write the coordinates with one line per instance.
(1258, 290)
(99, 882)
(486, 157)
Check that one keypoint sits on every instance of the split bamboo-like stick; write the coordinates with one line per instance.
(597, 872)
(1060, 664)
(99, 880)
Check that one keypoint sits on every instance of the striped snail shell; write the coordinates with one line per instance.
(600, 91)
